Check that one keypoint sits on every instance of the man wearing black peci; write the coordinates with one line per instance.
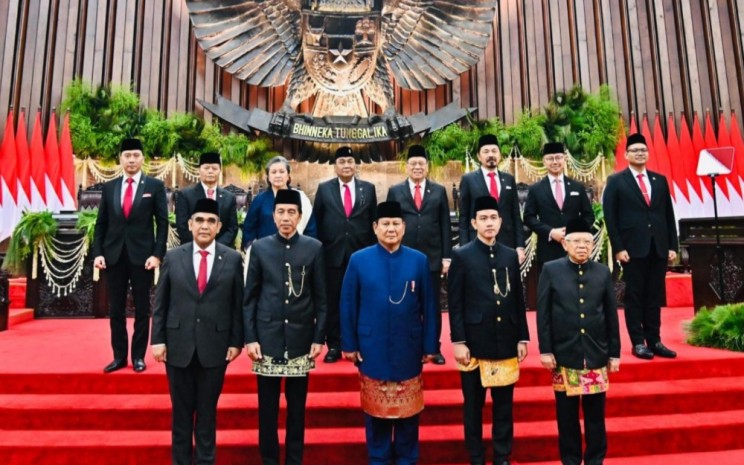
(210, 167)
(426, 213)
(127, 247)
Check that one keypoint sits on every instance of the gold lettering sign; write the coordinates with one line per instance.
(306, 131)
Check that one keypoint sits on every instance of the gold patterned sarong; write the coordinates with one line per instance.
(580, 382)
(392, 399)
(270, 366)
(494, 373)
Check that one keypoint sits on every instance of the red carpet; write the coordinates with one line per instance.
(57, 407)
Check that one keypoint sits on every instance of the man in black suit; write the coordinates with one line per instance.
(552, 202)
(427, 216)
(643, 233)
(210, 167)
(501, 186)
(284, 314)
(489, 330)
(579, 338)
(344, 211)
(126, 246)
(197, 329)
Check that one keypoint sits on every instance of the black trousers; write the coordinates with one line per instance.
(645, 294)
(295, 392)
(119, 277)
(436, 284)
(194, 392)
(334, 281)
(569, 429)
(502, 430)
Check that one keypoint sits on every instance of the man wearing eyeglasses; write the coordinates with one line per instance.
(643, 233)
(552, 202)
(579, 337)
(426, 213)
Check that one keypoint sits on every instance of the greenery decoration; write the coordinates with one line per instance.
(720, 328)
(86, 224)
(32, 229)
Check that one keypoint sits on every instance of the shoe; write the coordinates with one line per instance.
(139, 365)
(663, 351)
(502, 462)
(117, 364)
(332, 356)
(641, 351)
(438, 359)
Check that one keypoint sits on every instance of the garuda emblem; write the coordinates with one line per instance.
(340, 51)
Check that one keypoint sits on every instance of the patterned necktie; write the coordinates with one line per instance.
(494, 189)
(210, 194)
(347, 201)
(417, 197)
(201, 280)
(126, 206)
(558, 193)
(644, 191)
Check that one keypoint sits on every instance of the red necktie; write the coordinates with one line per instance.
(201, 280)
(347, 201)
(644, 191)
(558, 193)
(210, 194)
(417, 197)
(494, 189)
(126, 206)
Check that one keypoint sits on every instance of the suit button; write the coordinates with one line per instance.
(498, 318)
(583, 331)
(286, 283)
(286, 321)
(287, 245)
(581, 301)
(582, 315)
(198, 320)
(491, 255)
(581, 286)
(286, 301)
(498, 302)
(649, 225)
(581, 273)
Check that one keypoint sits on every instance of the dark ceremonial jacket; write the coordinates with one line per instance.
(388, 312)
(343, 236)
(576, 314)
(186, 203)
(186, 321)
(113, 231)
(472, 186)
(632, 224)
(274, 315)
(427, 230)
(541, 213)
(489, 324)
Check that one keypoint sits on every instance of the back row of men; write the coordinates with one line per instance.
(345, 218)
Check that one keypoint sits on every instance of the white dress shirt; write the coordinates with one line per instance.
(205, 191)
(352, 188)
(412, 186)
(124, 184)
(560, 180)
(646, 181)
(488, 180)
(211, 248)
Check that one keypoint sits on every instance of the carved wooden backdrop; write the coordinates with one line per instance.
(679, 56)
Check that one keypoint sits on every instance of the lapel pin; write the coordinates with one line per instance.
(219, 258)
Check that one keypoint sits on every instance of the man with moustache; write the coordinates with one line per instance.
(344, 211)
(129, 249)
(388, 327)
(426, 214)
(489, 330)
(552, 202)
(643, 233)
(210, 167)
(284, 315)
(579, 338)
(197, 329)
(501, 186)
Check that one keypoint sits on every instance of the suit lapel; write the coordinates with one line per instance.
(118, 197)
(138, 195)
(548, 191)
(633, 184)
(187, 263)
(359, 201)
(336, 196)
(214, 276)
(427, 193)
(655, 186)
(408, 198)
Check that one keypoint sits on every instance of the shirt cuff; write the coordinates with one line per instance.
(157, 346)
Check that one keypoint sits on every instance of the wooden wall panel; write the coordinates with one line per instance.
(670, 56)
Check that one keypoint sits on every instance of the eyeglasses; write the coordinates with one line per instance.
(580, 241)
(638, 151)
(553, 158)
(415, 164)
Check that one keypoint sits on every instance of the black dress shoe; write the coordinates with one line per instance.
(438, 359)
(117, 364)
(663, 351)
(139, 365)
(332, 356)
(641, 351)
(501, 462)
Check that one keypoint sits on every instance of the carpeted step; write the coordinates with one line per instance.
(727, 457)
(342, 409)
(534, 441)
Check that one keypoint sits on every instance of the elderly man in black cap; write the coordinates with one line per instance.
(127, 247)
(197, 329)
(426, 212)
(579, 338)
(489, 330)
(643, 233)
(210, 167)
(488, 180)
(344, 211)
(552, 202)
(284, 314)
